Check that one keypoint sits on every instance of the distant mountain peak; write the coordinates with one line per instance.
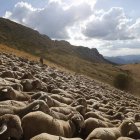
(126, 59)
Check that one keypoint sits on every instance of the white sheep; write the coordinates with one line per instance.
(46, 136)
(21, 111)
(92, 123)
(113, 133)
(124, 138)
(10, 126)
(38, 122)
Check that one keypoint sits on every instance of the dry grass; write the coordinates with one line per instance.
(6, 49)
(99, 71)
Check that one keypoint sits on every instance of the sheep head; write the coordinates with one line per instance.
(79, 101)
(81, 109)
(7, 93)
(137, 117)
(127, 126)
(10, 126)
(41, 106)
(78, 120)
(47, 99)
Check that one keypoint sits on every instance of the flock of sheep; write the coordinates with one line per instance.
(38, 102)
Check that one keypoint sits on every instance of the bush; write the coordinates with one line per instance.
(123, 81)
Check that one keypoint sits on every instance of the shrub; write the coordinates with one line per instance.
(123, 81)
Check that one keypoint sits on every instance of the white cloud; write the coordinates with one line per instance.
(69, 3)
(20, 12)
(135, 28)
(110, 25)
(112, 32)
(52, 20)
(120, 47)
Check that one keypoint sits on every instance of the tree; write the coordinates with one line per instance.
(123, 81)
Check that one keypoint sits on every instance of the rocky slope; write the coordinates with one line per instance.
(23, 82)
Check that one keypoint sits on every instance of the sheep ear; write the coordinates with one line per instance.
(70, 115)
(36, 107)
(78, 118)
(46, 100)
(129, 123)
(75, 103)
(3, 128)
(5, 90)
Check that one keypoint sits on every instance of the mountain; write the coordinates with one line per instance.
(29, 40)
(127, 59)
(22, 41)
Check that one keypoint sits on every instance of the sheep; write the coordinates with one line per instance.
(60, 116)
(92, 123)
(66, 94)
(110, 112)
(136, 134)
(47, 99)
(94, 115)
(66, 110)
(10, 126)
(117, 115)
(15, 83)
(79, 101)
(125, 138)
(7, 73)
(51, 102)
(58, 104)
(17, 86)
(8, 93)
(13, 80)
(34, 106)
(113, 133)
(62, 99)
(39, 85)
(14, 103)
(45, 123)
(46, 136)
(5, 93)
(62, 92)
(50, 87)
(137, 117)
(27, 75)
(27, 84)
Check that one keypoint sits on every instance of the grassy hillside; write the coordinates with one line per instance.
(23, 41)
(100, 71)
(31, 41)
(75, 58)
(7, 49)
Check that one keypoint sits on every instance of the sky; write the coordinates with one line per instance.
(111, 26)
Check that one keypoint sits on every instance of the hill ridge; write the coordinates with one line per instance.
(29, 40)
